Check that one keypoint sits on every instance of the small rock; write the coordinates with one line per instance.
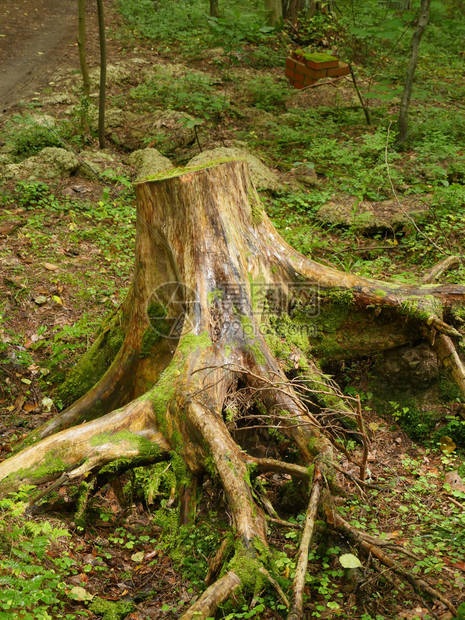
(149, 162)
(262, 176)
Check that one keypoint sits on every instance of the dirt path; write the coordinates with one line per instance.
(36, 37)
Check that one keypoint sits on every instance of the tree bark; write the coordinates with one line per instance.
(82, 47)
(412, 64)
(103, 74)
(214, 8)
(274, 11)
(220, 306)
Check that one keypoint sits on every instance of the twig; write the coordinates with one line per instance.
(363, 465)
(454, 501)
(418, 584)
(302, 556)
(296, 526)
(360, 98)
(275, 585)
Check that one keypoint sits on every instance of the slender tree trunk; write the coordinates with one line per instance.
(274, 10)
(103, 74)
(83, 63)
(412, 64)
(214, 8)
(82, 47)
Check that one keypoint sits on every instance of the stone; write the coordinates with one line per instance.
(263, 178)
(166, 130)
(92, 164)
(50, 163)
(369, 217)
(409, 367)
(149, 162)
(117, 74)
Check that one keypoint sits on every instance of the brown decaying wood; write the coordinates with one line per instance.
(297, 609)
(205, 229)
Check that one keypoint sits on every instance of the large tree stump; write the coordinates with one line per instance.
(219, 301)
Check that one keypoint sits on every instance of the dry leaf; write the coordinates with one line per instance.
(50, 266)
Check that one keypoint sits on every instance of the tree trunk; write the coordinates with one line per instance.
(293, 9)
(103, 74)
(412, 64)
(274, 11)
(82, 47)
(214, 8)
(220, 308)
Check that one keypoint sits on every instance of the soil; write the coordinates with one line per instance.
(36, 37)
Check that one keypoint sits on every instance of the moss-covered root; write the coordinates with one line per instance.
(217, 593)
(126, 433)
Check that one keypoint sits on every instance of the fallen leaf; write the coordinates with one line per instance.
(79, 594)
(26, 381)
(50, 266)
(138, 557)
(57, 299)
(447, 445)
(349, 560)
(40, 300)
(28, 407)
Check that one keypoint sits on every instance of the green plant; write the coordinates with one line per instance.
(31, 575)
(268, 94)
(27, 135)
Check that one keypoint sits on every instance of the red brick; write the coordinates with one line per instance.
(289, 73)
(299, 77)
(309, 81)
(343, 69)
(290, 63)
(299, 85)
(301, 68)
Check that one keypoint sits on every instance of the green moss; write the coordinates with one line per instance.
(256, 207)
(257, 352)
(150, 339)
(246, 563)
(316, 56)
(51, 465)
(94, 363)
(191, 342)
(379, 292)
(147, 449)
(421, 308)
(177, 172)
(111, 610)
(215, 295)
(341, 296)
(157, 329)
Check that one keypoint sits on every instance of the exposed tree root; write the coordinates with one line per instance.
(302, 556)
(220, 335)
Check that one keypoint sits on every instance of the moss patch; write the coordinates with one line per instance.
(111, 610)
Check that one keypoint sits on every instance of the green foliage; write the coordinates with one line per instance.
(31, 580)
(268, 94)
(194, 93)
(27, 135)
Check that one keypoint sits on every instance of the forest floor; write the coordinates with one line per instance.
(66, 263)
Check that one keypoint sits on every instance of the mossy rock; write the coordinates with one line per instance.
(94, 163)
(50, 163)
(369, 217)
(262, 176)
(166, 130)
(149, 162)
(117, 74)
